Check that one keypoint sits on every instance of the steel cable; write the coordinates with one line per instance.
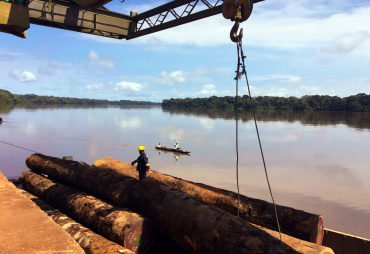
(241, 55)
(19, 147)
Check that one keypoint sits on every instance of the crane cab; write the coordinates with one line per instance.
(14, 17)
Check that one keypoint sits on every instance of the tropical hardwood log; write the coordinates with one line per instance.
(122, 226)
(293, 222)
(194, 224)
(103, 183)
(91, 242)
(203, 228)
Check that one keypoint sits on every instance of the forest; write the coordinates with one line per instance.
(7, 98)
(353, 103)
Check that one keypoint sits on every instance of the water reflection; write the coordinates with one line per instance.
(176, 156)
(357, 120)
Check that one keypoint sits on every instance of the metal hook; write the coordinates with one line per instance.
(233, 33)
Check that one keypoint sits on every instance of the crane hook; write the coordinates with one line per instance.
(233, 33)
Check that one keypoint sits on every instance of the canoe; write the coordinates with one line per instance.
(166, 148)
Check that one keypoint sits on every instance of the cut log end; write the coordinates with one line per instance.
(317, 234)
(139, 238)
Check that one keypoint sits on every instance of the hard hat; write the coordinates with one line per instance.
(141, 148)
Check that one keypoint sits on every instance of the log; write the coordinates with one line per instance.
(102, 183)
(91, 242)
(293, 222)
(195, 225)
(203, 228)
(122, 226)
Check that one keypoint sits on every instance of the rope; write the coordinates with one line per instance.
(18, 147)
(239, 48)
(236, 130)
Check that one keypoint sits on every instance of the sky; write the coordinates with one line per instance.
(293, 48)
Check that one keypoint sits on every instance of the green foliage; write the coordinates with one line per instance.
(357, 103)
(7, 98)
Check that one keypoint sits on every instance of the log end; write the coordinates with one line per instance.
(317, 233)
(140, 237)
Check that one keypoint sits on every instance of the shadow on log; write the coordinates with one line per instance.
(124, 227)
(91, 242)
(293, 222)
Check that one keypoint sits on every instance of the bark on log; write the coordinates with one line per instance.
(200, 227)
(293, 222)
(195, 225)
(124, 227)
(91, 242)
(103, 183)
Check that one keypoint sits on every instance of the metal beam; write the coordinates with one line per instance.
(180, 21)
(70, 16)
(164, 10)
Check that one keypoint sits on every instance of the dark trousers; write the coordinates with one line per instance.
(142, 174)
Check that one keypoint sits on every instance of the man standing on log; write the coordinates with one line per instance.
(142, 163)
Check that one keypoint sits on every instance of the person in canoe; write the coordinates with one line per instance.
(177, 146)
(142, 163)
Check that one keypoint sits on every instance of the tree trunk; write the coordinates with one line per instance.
(296, 223)
(91, 242)
(195, 225)
(103, 183)
(119, 225)
(203, 228)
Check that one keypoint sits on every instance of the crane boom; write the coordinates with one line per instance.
(91, 17)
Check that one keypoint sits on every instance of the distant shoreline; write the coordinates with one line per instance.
(7, 98)
(353, 103)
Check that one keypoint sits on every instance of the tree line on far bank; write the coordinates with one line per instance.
(7, 98)
(354, 103)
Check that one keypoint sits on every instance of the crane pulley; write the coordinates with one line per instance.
(238, 11)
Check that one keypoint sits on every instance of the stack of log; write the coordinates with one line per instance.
(91, 242)
(293, 222)
(191, 223)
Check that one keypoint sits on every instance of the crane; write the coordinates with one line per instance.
(91, 17)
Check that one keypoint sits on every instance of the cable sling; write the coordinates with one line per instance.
(241, 63)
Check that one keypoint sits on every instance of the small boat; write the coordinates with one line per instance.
(166, 148)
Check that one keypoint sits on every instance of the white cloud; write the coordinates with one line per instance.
(24, 76)
(173, 77)
(208, 90)
(283, 78)
(128, 87)
(96, 60)
(94, 87)
(346, 43)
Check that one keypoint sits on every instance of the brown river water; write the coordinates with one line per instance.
(316, 161)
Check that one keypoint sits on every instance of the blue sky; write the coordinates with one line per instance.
(293, 48)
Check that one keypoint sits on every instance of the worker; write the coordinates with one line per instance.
(142, 163)
(177, 146)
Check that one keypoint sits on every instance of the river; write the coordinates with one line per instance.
(316, 161)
